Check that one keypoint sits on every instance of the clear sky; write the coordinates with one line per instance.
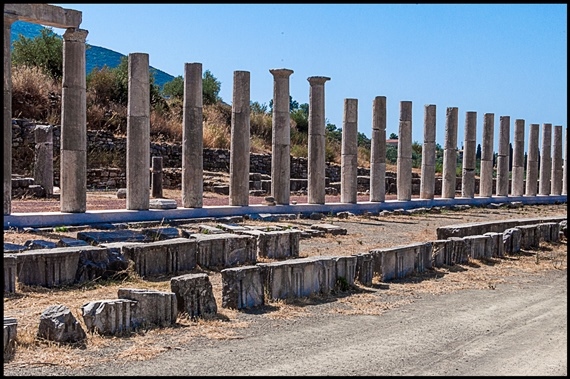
(506, 59)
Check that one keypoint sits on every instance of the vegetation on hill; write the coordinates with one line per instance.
(36, 95)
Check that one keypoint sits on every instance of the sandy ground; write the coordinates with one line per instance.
(495, 317)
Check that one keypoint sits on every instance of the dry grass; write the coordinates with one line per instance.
(35, 95)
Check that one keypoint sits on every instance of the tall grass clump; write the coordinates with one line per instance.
(35, 95)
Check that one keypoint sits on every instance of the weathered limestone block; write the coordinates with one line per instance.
(459, 251)
(330, 229)
(423, 259)
(194, 295)
(399, 262)
(497, 248)
(512, 240)
(162, 257)
(220, 251)
(56, 267)
(440, 253)
(479, 246)
(10, 264)
(10, 335)
(293, 278)
(109, 317)
(327, 274)
(530, 236)
(160, 234)
(70, 242)
(39, 244)
(549, 231)
(97, 238)
(58, 324)
(364, 268)
(13, 248)
(276, 244)
(346, 268)
(242, 287)
(154, 308)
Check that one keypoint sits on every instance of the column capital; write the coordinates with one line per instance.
(281, 72)
(313, 80)
(75, 35)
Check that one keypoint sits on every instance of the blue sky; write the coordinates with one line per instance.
(506, 59)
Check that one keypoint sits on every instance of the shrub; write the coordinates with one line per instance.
(44, 51)
(35, 95)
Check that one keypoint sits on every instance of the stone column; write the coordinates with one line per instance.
(7, 115)
(192, 138)
(427, 184)
(565, 165)
(556, 176)
(404, 162)
(349, 153)
(316, 156)
(281, 137)
(517, 176)
(486, 175)
(156, 177)
(532, 161)
(138, 133)
(450, 154)
(378, 150)
(239, 144)
(545, 161)
(503, 156)
(73, 140)
(43, 162)
(469, 155)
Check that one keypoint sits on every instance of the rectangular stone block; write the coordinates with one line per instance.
(51, 267)
(97, 238)
(278, 244)
(162, 257)
(109, 317)
(10, 335)
(512, 240)
(346, 268)
(10, 265)
(242, 287)
(364, 268)
(154, 308)
(194, 295)
(497, 249)
(440, 253)
(220, 251)
(530, 236)
(479, 246)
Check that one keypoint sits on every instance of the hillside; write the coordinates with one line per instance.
(95, 56)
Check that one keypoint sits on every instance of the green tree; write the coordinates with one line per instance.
(393, 136)
(174, 88)
(301, 117)
(121, 86)
(210, 88)
(44, 51)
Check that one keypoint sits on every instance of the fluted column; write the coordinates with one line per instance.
(192, 138)
(545, 161)
(556, 176)
(73, 140)
(7, 115)
(239, 149)
(281, 137)
(503, 156)
(316, 156)
(349, 153)
(427, 184)
(517, 177)
(486, 175)
(138, 133)
(450, 154)
(378, 150)
(469, 158)
(404, 162)
(532, 161)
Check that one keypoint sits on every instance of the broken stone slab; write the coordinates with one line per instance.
(207, 229)
(194, 295)
(39, 244)
(242, 287)
(329, 229)
(276, 244)
(231, 227)
(162, 204)
(230, 219)
(162, 257)
(109, 317)
(10, 267)
(218, 251)
(310, 233)
(160, 234)
(97, 238)
(10, 335)
(13, 248)
(154, 308)
(58, 324)
(69, 242)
